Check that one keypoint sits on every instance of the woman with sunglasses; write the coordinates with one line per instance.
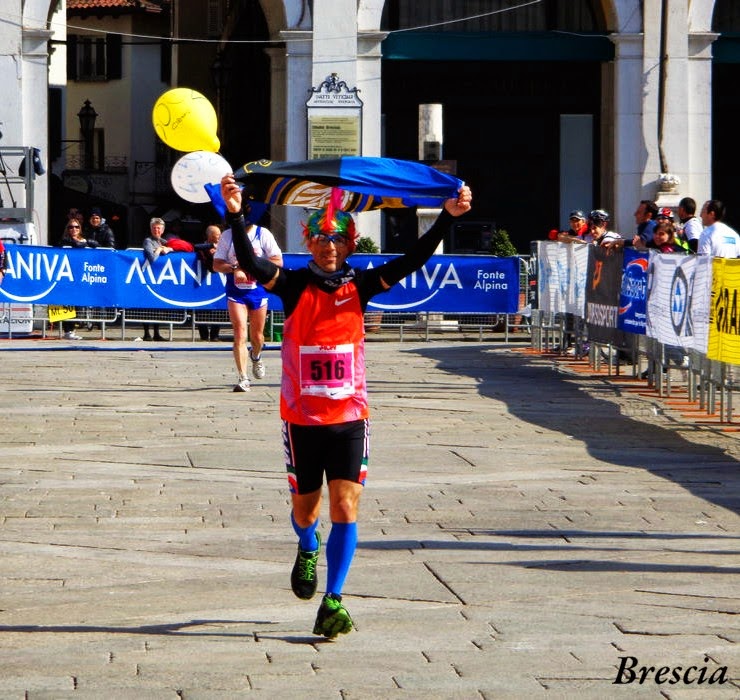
(72, 237)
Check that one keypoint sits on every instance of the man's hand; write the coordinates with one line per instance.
(461, 205)
(231, 193)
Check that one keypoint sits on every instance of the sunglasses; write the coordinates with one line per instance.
(73, 227)
(337, 239)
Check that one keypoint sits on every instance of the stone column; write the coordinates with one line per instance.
(34, 129)
(699, 116)
(297, 84)
(630, 151)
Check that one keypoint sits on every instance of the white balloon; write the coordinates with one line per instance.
(194, 170)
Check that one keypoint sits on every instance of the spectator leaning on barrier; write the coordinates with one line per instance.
(154, 246)
(598, 233)
(98, 231)
(664, 238)
(645, 216)
(690, 223)
(675, 235)
(717, 238)
(578, 229)
(73, 238)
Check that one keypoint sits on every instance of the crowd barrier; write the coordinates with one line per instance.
(663, 317)
(418, 326)
(469, 295)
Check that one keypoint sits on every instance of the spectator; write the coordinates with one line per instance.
(154, 246)
(73, 237)
(577, 231)
(78, 216)
(645, 215)
(717, 238)
(246, 300)
(664, 238)
(205, 253)
(98, 231)
(598, 233)
(666, 241)
(690, 222)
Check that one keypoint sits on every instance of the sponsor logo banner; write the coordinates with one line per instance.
(124, 279)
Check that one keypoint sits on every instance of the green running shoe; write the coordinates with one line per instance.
(303, 578)
(333, 618)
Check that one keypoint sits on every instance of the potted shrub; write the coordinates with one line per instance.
(365, 244)
(502, 247)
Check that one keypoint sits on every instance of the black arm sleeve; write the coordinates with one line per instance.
(262, 269)
(398, 268)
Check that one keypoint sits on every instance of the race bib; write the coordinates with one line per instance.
(327, 370)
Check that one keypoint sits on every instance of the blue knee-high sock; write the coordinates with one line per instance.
(340, 550)
(306, 535)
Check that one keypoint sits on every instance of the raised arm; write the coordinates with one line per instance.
(263, 270)
(398, 268)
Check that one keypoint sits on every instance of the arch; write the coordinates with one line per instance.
(700, 16)
(369, 13)
(623, 16)
(37, 13)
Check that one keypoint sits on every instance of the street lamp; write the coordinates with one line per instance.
(87, 116)
(220, 74)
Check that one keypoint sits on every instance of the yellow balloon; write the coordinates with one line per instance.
(186, 121)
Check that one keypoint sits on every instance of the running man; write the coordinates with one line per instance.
(246, 301)
(323, 397)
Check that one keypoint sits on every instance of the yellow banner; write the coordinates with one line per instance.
(724, 311)
(61, 313)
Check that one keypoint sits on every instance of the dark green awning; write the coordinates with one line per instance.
(726, 49)
(497, 46)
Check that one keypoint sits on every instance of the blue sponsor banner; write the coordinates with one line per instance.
(451, 283)
(123, 279)
(633, 293)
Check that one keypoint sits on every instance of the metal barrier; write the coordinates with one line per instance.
(378, 324)
(86, 315)
(161, 317)
(709, 383)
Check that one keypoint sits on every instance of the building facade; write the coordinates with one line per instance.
(545, 106)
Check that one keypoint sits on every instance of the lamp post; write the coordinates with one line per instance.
(220, 74)
(87, 116)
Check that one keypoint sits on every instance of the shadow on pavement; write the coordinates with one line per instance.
(538, 394)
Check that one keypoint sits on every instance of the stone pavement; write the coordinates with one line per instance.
(524, 530)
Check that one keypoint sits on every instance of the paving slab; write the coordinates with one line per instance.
(525, 525)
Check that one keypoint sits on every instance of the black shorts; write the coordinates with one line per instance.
(340, 451)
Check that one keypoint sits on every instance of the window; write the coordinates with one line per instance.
(93, 58)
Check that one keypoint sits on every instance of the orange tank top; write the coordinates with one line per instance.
(323, 357)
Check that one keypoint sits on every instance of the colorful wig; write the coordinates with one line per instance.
(331, 219)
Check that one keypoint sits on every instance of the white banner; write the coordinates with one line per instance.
(562, 271)
(679, 289)
(578, 263)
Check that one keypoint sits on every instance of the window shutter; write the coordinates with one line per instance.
(71, 57)
(214, 21)
(113, 58)
(165, 61)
